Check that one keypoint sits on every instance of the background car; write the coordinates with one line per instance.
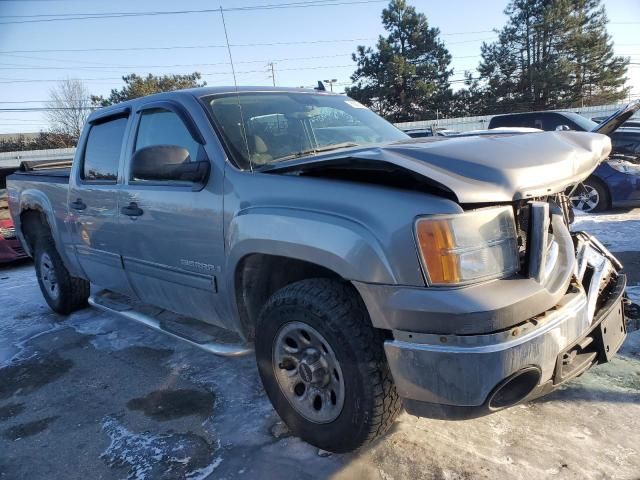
(616, 181)
(432, 131)
(634, 122)
(10, 248)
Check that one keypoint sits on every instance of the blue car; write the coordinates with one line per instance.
(615, 183)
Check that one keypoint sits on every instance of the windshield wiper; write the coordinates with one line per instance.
(311, 151)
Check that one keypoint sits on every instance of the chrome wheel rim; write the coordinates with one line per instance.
(48, 277)
(308, 372)
(586, 198)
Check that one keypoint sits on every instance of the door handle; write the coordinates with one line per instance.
(133, 210)
(78, 204)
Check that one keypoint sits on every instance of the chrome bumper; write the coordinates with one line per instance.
(463, 370)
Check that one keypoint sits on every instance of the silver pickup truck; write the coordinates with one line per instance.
(368, 270)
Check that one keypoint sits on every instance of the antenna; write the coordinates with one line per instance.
(235, 84)
(271, 65)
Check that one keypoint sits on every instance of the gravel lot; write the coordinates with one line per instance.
(94, 396)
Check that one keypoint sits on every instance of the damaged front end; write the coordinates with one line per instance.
(596, 274)
(513, 303)
(465, 374)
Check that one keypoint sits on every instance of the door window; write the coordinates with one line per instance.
(551, 122)
(164, 127)
(102, 152)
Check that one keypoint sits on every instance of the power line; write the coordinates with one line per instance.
(173, 12)
(106, 15)
(17, 66)
(236, 45)
(178, 47)
(39, 80)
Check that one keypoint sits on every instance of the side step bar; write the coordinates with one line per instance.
(161, 321)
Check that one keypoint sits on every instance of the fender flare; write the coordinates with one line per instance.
(337, 243)
(32, 199)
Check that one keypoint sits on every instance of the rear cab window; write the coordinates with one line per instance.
(102, 151)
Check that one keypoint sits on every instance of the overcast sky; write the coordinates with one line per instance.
(306, 44)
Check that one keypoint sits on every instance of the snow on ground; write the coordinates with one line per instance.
(157, 456)
(619, 231)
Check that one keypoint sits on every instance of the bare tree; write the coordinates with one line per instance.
(69, 106)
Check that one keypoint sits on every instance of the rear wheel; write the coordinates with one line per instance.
(590, 196)
(62, 292)
(323, 365)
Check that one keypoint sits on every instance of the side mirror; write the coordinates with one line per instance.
(168, 163)
(562, 128)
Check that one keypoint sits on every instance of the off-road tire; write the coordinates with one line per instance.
(73, 291)
(336, 311)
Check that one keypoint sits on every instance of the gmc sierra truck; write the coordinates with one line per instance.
(367, 270)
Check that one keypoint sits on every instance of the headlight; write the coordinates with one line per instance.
(625, 167)
(468, 247)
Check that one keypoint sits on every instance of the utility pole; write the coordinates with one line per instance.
(331, 82)
(273, 72)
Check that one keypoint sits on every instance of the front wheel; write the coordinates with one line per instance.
(323, 365)
(62, 292)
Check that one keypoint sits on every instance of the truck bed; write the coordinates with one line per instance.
(48, 175)
(50, 183)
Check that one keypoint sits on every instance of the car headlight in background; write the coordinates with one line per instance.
(625, 167)
(468, 247)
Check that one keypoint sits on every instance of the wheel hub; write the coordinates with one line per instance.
(48, 276)
(308, 372)
(313, 368)
(587, 200)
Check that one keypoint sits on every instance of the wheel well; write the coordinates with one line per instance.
(33, 225)
(258, 276)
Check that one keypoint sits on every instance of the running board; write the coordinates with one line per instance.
(207, 337)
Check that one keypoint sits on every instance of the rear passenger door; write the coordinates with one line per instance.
(93, 202)
(173, 248)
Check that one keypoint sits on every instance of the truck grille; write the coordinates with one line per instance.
(523, 217)
(524, 224)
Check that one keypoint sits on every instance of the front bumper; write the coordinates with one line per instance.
(464, 376)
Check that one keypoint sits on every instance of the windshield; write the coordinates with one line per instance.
(581, 121)
(265, 128)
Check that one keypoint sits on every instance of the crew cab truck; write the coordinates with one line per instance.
(368, 270)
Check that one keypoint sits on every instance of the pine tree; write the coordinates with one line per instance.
(598, 75)
(551, 54)
(137, 86)
(406, 76)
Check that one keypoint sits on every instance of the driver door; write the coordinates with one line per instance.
(174, 247)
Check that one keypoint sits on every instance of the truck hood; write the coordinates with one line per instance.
(482, 169)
